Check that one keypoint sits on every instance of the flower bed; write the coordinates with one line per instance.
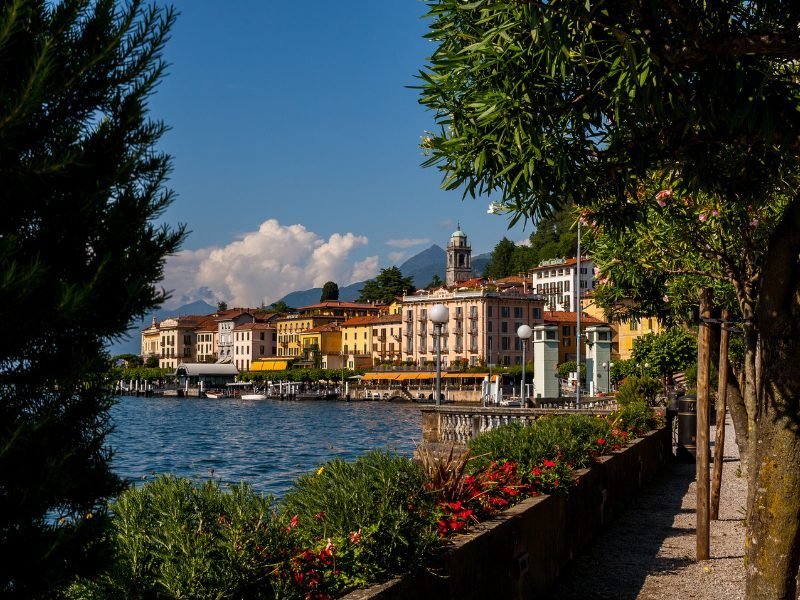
(521, 551)
(351, 524)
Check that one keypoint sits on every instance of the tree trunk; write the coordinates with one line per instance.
(773, 516)
(773, 526)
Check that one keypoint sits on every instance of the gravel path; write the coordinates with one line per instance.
(648, 552)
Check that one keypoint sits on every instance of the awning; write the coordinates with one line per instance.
(465, 375)
(205, 369)
(270, 364)
(375, 376)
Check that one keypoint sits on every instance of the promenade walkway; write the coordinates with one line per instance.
(648, 552)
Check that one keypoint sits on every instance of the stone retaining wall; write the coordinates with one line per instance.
(522, 551)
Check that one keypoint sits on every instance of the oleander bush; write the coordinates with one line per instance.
(571, 439)
(379, 499)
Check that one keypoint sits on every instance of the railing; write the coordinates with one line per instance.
(458, 425)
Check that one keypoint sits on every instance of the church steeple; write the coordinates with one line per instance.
(459, 258)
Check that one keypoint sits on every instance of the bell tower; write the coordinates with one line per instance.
(459, 258)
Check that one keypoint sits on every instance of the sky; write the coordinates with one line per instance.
(295, 141)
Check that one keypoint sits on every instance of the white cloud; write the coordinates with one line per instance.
(265, 265)
(396, 257)
(408, 242)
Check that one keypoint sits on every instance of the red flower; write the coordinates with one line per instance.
(455, 505)
(549, 463)
(601, 441)
(536, 471)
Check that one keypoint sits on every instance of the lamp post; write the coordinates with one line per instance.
(439, 315)
(608, 366)
(524, 333)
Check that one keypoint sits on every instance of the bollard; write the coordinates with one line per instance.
(687, 429)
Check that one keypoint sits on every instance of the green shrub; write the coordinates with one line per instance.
(379, 497)
(636, 416)
(175, 539)
(638, 388)
(572, 438)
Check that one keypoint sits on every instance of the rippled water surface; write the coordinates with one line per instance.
(267, 443)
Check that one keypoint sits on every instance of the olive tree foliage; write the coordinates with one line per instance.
(673, 125)
(81, 186)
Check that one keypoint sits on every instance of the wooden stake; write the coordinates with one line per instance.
(703, 370)
(719, 440)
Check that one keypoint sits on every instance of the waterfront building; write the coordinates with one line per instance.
(206, 336)
(227, 320)
(289, 327)
(176, 339)
(252, 341)
(459, 258)
(320, 346)
(370, 340)
(560, 283)
(483, 320)
(151, 341)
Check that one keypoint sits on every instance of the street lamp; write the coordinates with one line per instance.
(608, 366)
(439, 315)
(524, 333)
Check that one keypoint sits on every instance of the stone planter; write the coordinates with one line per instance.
(522, 551)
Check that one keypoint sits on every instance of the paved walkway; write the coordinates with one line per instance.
(648, 552)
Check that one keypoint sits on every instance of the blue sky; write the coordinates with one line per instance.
(296, 148)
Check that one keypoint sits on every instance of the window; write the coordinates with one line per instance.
(489, 311)
(504, 344)
(566, 341)
(489, 325)
(504, 327)
(262, 350)
(517, 312)
(504, 312)
(537, 313)
(565, 330)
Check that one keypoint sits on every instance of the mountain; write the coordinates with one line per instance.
(131, 342)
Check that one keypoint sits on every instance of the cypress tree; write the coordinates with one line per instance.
(81, 185)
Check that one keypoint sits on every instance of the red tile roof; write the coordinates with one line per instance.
(373, 320)
(570, 317)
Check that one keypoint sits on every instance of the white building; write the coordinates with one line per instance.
(252, 341)
(558, 281)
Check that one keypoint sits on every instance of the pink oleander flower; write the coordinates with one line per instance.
(661, 203)
(715, 213)
(603, 280)
(703, 217)
(754, 222)
(665, 298)
(663, 194)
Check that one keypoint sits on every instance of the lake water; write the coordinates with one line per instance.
(266, 443)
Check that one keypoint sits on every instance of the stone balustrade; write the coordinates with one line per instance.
(459, 424)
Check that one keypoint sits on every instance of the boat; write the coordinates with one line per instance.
(246, 390)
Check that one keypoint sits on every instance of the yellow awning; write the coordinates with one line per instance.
(374, 376)
(270, 364)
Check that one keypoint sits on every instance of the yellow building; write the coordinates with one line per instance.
(624, 332)
(289, 327)
(370, 340)
(177, 341)
(150, 341)
(318, 344)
